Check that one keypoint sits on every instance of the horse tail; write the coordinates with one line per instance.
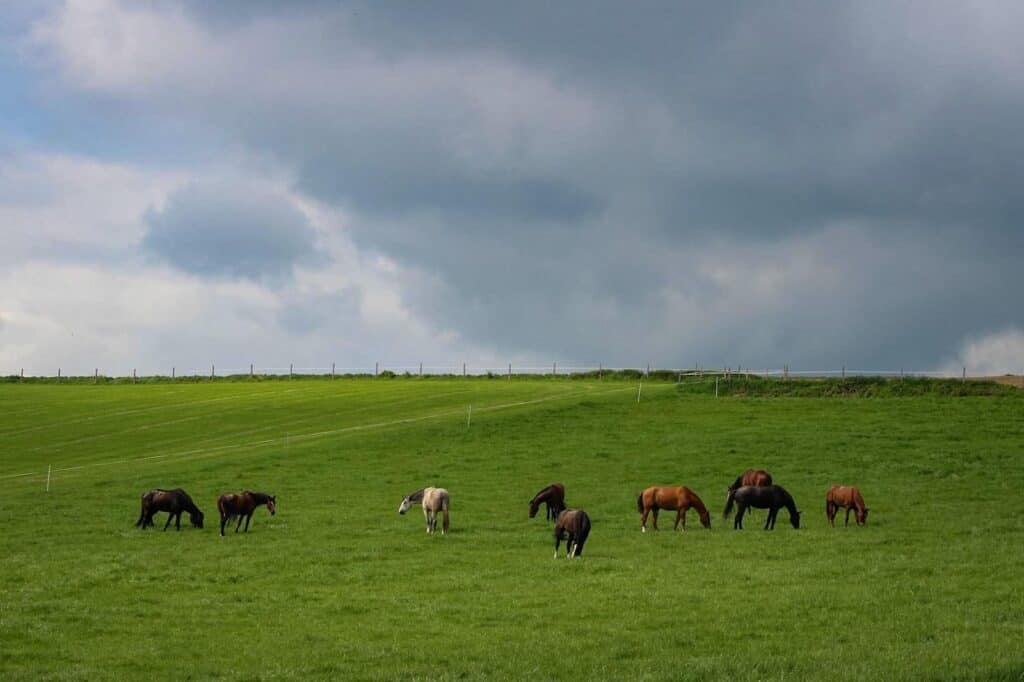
(640, 503)
(582, 534)
(142, 513)
(444, 510)
(737, 483)
(728, 504)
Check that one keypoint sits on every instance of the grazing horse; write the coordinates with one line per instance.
(771, 497)
(553, 497)
(758, 477)
(677, 498)
(848, 497)
(573, 526)
(433, 500)
(174, 502)
(242, 505)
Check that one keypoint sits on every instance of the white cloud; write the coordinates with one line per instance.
(991, 355)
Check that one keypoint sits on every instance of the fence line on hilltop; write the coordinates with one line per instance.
(490, 369)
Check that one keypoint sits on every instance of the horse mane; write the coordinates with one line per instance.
(787, 499)
(543, 494)
(258, 498)
(416, 496)
(737, 483)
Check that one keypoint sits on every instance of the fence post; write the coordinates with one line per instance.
(554, 368)
(376, 368)
(421, 369)
(58, 372)
(135, 377)
(96, 375)
(252, 371)
(332, 370)
(510, 371)
(963, 377)
(172, 373)
(844, 371)
(463, 369)
(213, 370)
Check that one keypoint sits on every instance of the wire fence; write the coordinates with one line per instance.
(214, 371)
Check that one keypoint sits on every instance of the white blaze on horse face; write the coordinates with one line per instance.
(404, 507)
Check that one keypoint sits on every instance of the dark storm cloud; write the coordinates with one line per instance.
(659, 181)
(223, 230)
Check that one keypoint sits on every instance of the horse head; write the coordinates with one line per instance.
(705, 519)
(534, 506)
(863, 517)
(406, 503)
(794, 519)
(272, 504)
(196, 518)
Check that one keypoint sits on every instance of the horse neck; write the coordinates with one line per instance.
(738, 483)
(543, 495)
(259, 498)
(697, 504)
(417, 496)
(787, 501)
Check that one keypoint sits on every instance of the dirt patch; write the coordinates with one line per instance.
(1007, 379)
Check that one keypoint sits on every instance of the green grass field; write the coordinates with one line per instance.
(337, 585)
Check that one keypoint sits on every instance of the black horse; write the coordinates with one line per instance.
(174, 502)
(771, 497)
(573, 526)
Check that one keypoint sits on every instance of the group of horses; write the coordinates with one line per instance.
(752, 489)
(176, 502)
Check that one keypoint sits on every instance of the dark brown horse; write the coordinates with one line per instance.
(675, 498)
(848, 497)
(553, 498)
(771, 497)
(573, 526)
(242, 505)
(174, 502)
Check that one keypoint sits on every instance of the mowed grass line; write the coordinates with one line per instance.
(231, 419)
(338, 585)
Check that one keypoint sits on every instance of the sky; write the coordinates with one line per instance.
(818, 185)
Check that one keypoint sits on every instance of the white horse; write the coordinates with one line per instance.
(433, 501)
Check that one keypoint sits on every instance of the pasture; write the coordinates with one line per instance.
(338, 585)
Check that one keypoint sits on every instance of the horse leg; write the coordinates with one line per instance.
(654, 520)
(737, 523)
(847, 524)
(223, 521)
(248, 518)
(558, 541)
(170, 515)
(177, 521)
(643, 519)
(241, 517)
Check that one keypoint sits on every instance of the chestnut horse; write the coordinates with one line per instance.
(771, 497)
(553, 497)
(242, 505)
(433, 500)
(174, 502)
(573, 526)
(677, 498)
(758, 477)
(848, 497)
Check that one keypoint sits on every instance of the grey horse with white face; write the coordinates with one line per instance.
(434, 500)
